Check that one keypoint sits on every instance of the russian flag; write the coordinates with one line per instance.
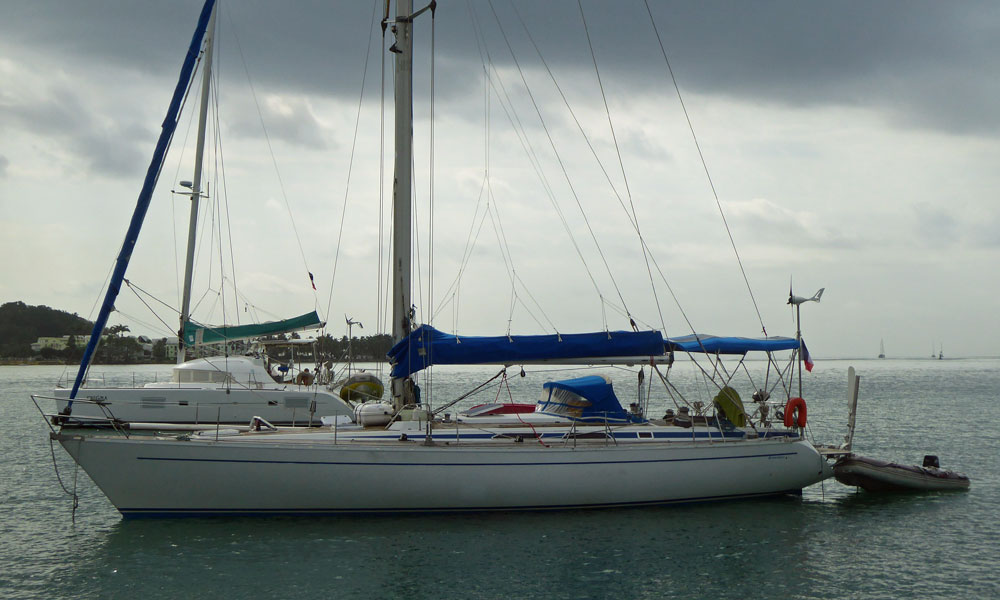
(805, 356)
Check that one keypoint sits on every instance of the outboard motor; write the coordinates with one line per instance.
(931, 462)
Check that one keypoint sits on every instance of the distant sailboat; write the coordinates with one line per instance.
(881, 349)
(941, 353)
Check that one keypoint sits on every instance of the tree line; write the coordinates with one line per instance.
(21, 325)
(328, 348)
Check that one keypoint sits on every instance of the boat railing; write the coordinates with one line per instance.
(53, 420)
(106, 380)
(608, 432)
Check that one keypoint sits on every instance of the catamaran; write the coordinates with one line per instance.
(578, 448)
(229, 389)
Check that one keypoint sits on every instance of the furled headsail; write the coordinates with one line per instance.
(714, 344)
(145, 194)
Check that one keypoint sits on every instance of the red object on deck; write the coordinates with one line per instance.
(498, 408)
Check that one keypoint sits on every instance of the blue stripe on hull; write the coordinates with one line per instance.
(470, 464)
(161, 513)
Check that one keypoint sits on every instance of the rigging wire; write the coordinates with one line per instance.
(222, 266)
(155, 314)
(502, 93)
(381, 297)
(452, 295)
(562, 166)
(429, 377)
(274, 162)
(223, 190)
(631, 215)
(173, 211)
(621, 164)
(704, 164)
(496, 84)
(350, 162)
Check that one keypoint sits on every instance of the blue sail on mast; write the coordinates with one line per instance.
(145, 194)
(415, 351)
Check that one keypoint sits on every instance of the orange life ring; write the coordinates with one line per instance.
(795, 412)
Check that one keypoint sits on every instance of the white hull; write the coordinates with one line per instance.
(200, 405)
(248, 475)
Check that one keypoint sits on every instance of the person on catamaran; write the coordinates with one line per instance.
(304, 378)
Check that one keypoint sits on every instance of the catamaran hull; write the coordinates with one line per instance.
(293, 406)
(165, 477)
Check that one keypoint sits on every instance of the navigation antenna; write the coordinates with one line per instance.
(350, 338)
(797, 302)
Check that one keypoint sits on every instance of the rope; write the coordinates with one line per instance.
(473, 391)
(72, 494)
(704, 165)
(534, 432)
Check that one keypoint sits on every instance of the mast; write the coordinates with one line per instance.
(798, 338)
(206, 81)
(402, 193)
(169, 125)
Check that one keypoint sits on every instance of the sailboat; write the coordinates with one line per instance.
(229, 389)
(579, 448)
(881, 349)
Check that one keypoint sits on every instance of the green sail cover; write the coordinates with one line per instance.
(196, 334)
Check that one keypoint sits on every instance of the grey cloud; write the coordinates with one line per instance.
(937, 224)
(924, 63)
(4, 163)
(291, 120)
(769, 221)
(104, 145)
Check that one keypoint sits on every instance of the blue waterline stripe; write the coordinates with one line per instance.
(244, 512)
(491, 464)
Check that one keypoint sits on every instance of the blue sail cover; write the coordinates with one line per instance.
(427, 346)
(589, 398)
(712, 344)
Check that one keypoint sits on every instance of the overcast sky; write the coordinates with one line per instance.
(853, 146)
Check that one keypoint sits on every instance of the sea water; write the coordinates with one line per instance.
(832, 542)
